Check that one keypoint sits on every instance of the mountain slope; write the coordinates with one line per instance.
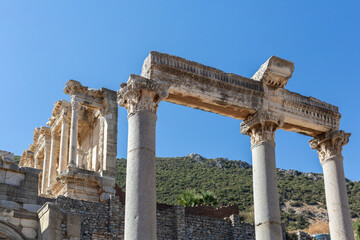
(301, 194)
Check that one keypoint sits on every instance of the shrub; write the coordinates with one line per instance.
(296, 204)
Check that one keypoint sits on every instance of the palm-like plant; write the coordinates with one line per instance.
(191, 198)
(209, 198)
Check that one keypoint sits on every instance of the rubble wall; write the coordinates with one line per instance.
(106, 221)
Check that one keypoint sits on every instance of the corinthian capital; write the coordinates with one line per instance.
(261, 126)
(75, 104)
(140, 93)
(330, 144)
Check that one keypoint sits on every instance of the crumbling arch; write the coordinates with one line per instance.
(9, 232)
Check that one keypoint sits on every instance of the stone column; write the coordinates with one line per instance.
(261, 128)
(52, 159)
(329, 146)
(75, 105)
(45, 170)
(36, 162)
(140, 96)
(63, 144)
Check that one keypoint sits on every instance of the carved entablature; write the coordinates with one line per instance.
(87, 96)
(195, 85)
(330, 144)
(27, 159)
(140, 93)
(42, 136)
(59, 113)
(261, 126)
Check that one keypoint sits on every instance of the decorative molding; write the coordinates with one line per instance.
(275, 72)
(27, 159)
(330, 144)
(140, 93)
(73, 87)
(210, 89)
(261, 126)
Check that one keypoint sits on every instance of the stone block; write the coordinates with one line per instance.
(6, 212)
(29, 232)
(7, 156)
(2, 175)
(73, 225)
(10, 204)
(25, 214)
(12, 220)
(14, 178)
(30, 223)
(31, 207)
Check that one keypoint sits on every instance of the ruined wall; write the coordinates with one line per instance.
(105, 220)
(19, 201)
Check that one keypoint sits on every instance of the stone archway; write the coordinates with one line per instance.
(9, 233)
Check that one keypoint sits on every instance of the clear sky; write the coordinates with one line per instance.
(100, 43)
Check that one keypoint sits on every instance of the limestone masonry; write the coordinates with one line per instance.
(64, 186)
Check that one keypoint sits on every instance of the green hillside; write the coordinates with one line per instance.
(231, 181)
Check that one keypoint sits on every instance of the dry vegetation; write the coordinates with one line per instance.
(318, 228)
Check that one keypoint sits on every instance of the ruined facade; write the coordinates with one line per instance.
(75, 156)
(76, 153)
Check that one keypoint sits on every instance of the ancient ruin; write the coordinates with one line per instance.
(69, 168)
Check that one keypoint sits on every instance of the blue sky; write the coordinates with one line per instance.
(100, 43)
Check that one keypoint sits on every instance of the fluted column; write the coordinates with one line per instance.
(329, 146)
(261, 128)
(75, 105)
(140, 96)
(63, 144)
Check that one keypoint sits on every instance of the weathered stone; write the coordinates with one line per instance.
(6, 156)
(9, 204)
(329, 146)
(140, 96)
(31, 207)
(29, 232)
(30, 223)
(14, 178)
(261, 128)
(13, 220)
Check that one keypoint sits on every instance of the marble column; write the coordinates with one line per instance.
(63, 144)
(45, 170)
(52, 159)
(329, 146)
(140, 96)
(36, 162)
(75, 105)
(261, 128)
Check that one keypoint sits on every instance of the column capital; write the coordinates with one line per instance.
(140, 93)
(330, 144)
(261, 126)
(74, 102)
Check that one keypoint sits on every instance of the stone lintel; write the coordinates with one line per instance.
(275, 72)
(198, 86)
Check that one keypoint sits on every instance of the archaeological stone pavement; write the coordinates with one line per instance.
(64, 187)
